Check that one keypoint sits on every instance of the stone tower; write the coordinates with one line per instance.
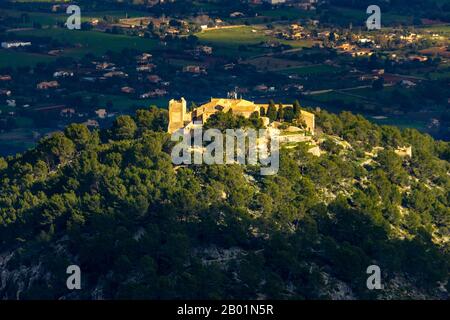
(177, 114)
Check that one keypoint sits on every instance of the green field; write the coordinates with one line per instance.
(35, 17)
(86, 41)
(346, 16)
(51, 18)
(439, 74)
(14, 59)
(402, 122)
(334, 96)
(286, 13)
(121, 103)
(15, 141)
(311, 70)
(438, 28)
(94, 42)
(228, 40)
(124, 104)
(233, 36)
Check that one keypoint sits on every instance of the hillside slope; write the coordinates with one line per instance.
(113, 203)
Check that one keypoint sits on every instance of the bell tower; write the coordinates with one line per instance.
(177, 114)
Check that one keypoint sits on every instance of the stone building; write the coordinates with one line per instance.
(179, 117)
(404, 151)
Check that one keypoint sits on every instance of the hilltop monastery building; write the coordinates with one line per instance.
(179, 117)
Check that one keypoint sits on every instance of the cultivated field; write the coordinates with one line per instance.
(319, 69)
(231, 41)
(271, 63)
(15, 59)
(81, 43)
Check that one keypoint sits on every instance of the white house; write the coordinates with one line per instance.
(276, 1)
(15, 44)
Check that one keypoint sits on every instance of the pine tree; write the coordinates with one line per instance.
(297, 111)
(272, 111)
(280, 115)
(262, 112)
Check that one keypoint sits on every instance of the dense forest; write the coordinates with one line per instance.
(112, 202)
